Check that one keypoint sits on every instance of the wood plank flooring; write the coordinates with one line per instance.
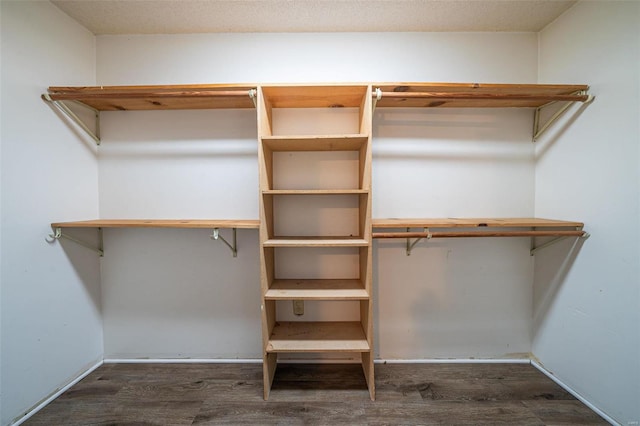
(323, 394)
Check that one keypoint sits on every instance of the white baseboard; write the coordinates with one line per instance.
(56, 394)
(573, 392)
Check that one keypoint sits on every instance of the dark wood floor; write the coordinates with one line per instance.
(427, 394)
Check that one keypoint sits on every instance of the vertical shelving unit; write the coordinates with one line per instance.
(315, 214)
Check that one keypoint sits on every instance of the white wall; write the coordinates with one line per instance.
(51, 326)
(587, 321)
(448, 299)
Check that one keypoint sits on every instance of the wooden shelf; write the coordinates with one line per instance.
(316, 290)
(316, 242)
(130, 98)
(315, 191)
(231, 96)
(473, 223)
(317, 337)
(315, 96)
(473, 95)
(485, 227)
(159, 223)
(351, 142)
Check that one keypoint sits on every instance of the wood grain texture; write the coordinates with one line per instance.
(475, 95)
(208, 394)
(315, 96)
(315, 192)
(167, 97)
(160, 223)
(315, 142)
(473, 223)
(316, 290)
(316, 242)
(338, 336)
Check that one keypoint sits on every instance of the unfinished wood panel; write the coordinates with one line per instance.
(318, 337)
(130, 98)
(315, 142)
(313, 289)
(315, 242)
(316, 96)
(315, 191)
(474, 95)
(160, 223)
(473, 223)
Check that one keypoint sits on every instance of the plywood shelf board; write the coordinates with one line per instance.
(317, 337)
(315, 96)
(160, 223)
(475, 95)
(315, 289)
(316, 242)
(473, 223)
(170, 97)
(213, 96)
(315, 143)
(315, 191)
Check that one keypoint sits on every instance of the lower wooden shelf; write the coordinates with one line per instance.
(316, 242)
(316, 290)
(317, 337)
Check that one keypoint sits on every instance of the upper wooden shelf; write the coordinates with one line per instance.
(230, 96)
(131, 98)
(147, 223)
(475, 223)
(474, 95)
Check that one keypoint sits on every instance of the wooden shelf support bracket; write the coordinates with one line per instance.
(215, 235)
(74, 117)
(539, 129)
(535, 249)
(58, 234)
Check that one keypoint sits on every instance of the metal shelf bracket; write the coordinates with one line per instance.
(539, 129)
(58, 234)
(215, 235)
(535, 249)
(77, 120)
(411, 245)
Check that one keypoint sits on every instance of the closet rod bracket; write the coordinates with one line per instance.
(215, 235)
(377, 96)
(62, 107)
(58, 234)
(411, 245)
(539, 129)
(535, 249)
(253, 93)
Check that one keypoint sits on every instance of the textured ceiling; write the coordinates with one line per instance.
(210, 16)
